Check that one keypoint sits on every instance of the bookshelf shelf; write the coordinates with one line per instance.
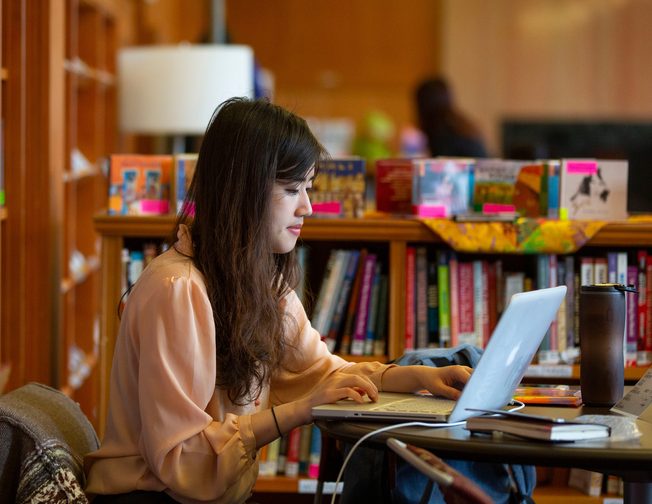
(4, 74)
(621, 234)
(3, 213)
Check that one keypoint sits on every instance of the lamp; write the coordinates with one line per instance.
(174, 90)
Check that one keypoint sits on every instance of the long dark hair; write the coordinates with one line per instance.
(438, 116)
(248, 145)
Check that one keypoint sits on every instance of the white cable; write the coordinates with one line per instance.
(385, 429)
(519, 405)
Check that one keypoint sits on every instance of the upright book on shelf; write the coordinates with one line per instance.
(394, 185)
(184, 170)
(139, 184)
(593, 189)
(441, 187)
(339, 188)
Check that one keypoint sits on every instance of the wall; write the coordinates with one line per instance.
(341, 58)
(541, 58)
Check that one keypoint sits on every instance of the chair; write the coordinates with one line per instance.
(44, 436)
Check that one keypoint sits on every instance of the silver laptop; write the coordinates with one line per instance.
(510, 350)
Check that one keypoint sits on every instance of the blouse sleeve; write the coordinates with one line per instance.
(308, 361)
(193, 454)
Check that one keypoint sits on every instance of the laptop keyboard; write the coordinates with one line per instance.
(418, 405)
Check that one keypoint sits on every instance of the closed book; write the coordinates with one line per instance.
(394, 185)
(380, 343)
(360, 331)
(292, 460)
(140, 184)
(333, 339)
(465, 294)
(536, 426)
(315, 452)
(433, 305)
(304, 448)
(410, 324)
(339, 191)
(349, 322)
(421, 292)
(593, 189)
(371, 315)
(443, 291)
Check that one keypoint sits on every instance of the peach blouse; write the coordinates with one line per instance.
(169, 428)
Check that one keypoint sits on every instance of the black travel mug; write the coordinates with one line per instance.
(602, 326)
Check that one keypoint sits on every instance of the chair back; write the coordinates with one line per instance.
(44, 436)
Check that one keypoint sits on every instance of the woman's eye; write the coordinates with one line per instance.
(292, 191)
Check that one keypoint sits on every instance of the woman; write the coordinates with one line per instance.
(448, 131)
(215, 356)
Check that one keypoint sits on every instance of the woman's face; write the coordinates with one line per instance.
(290, 204)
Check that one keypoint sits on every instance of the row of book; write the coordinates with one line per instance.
(595, 484)
(294, 454)
(350, 310)
(452, 299)
(558, 188)
(437, 187)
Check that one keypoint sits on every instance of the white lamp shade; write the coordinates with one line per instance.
(174, 90)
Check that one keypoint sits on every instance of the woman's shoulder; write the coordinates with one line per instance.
(168, 268)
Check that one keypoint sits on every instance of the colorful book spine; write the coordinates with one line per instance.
(339, 313)
(349, 323)
(410, 265)
(421, 293)
(293, 448)
(380, 345)
(631, 300)
(444, 298)
(601, 270)
(644, 357)
(433, 305)
(586, 271)
(304, 448)
(357, 343)
(315, 452)
(465, 304)
(478, 307)
(373, 309)
(454, 298)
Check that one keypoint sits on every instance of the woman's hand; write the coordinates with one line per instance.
(445, 381)
(336, 387)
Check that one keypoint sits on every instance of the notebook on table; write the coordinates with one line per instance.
(510, 350)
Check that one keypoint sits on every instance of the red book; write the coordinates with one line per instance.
(394, 185)
(643, 357)
(294, 444)
(466, 326)
(362, 318)
(454, 298)
(410, 265)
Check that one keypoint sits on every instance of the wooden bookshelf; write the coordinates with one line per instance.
(394, 234)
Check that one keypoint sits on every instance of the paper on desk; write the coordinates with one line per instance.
(638, 401)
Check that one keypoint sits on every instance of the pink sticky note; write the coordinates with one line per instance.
(327, 208)
(496, 208)
(582, 167)
(429, 210)
(154, 207)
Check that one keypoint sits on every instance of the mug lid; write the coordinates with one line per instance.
(608, 287)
